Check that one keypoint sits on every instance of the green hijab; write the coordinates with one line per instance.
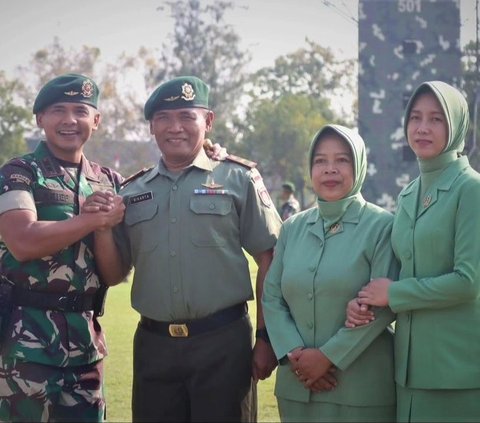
(455, 109)
(332, 211)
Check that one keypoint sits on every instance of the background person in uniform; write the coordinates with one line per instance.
(435, 237)
(186, 224)
(52, 346)
(323, 256)
(290, 205)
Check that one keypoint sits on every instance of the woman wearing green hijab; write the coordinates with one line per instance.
(322, 258)
(436, 237)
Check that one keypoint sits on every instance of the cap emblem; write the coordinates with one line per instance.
(187, 92)
(71, 93)
(87, 88)
(172, 98)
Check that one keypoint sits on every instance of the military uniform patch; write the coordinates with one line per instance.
(260, 187)
(17, 177)
(144, 196)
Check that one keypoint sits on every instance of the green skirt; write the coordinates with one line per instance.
(438, 405)
(295, 411)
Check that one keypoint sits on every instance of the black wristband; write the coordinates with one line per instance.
(262, 334)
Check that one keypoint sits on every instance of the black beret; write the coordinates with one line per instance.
(178, 93)
(68, 88)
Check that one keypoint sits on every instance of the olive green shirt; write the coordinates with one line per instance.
(185, 233)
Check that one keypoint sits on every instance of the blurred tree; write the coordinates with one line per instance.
(14, 120)
(288, 103)
(277, 134)
(313, 71)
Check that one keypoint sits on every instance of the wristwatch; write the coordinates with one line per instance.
(262, 334)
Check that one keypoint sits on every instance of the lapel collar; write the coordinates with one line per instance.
(315, 223)
(443, 183)
(409, 198)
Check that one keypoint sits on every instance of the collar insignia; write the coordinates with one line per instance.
(334, 228)
(427, 200)
(187, 92)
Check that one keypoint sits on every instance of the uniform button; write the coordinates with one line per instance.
(211, 206)
(175, 289)
(174, 187)
(310, 296)
(312, 268)
(173, 220)
(408, 255)
(173, 253)
(310, 325)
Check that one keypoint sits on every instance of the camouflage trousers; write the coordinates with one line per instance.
(32, 392)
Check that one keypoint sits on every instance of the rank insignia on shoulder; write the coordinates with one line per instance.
(240, 160)
(136, 175)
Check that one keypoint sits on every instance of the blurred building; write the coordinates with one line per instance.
(401, 44)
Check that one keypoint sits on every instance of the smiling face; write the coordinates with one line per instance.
(180, 132)
(332, 168)
(67, 127)
(427, 129)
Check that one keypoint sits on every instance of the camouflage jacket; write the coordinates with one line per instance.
(45, 336)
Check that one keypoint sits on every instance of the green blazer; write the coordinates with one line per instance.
(310, 281)
(437, 341)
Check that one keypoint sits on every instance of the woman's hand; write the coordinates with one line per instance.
(375, 293)
(358, 314)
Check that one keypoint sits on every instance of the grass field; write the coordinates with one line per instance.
(119, 322)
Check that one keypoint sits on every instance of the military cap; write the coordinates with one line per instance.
(290, 186)
(68, 88)
(178, 93)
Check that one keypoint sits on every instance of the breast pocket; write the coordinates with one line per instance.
(143, 225)
(212, 220)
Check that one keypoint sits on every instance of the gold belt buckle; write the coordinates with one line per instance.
(178, 330)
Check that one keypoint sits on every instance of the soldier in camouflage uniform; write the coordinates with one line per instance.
(52, 345)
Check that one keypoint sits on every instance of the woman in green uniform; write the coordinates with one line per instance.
(322, 258)
(436, 238)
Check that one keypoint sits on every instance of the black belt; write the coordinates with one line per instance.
(195, 327)
(53, 301)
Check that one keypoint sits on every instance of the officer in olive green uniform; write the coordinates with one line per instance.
(186, 224)
(53, 346)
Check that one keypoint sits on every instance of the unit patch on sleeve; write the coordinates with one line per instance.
(260, 187)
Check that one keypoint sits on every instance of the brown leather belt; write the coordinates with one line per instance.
(189, 328)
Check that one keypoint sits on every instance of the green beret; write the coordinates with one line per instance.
(290, 186)
(178, 93)
(68, 88)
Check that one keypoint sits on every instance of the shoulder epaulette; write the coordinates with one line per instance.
(241, 160)
(135, 176)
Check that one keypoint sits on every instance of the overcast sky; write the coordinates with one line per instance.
(268, 28)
